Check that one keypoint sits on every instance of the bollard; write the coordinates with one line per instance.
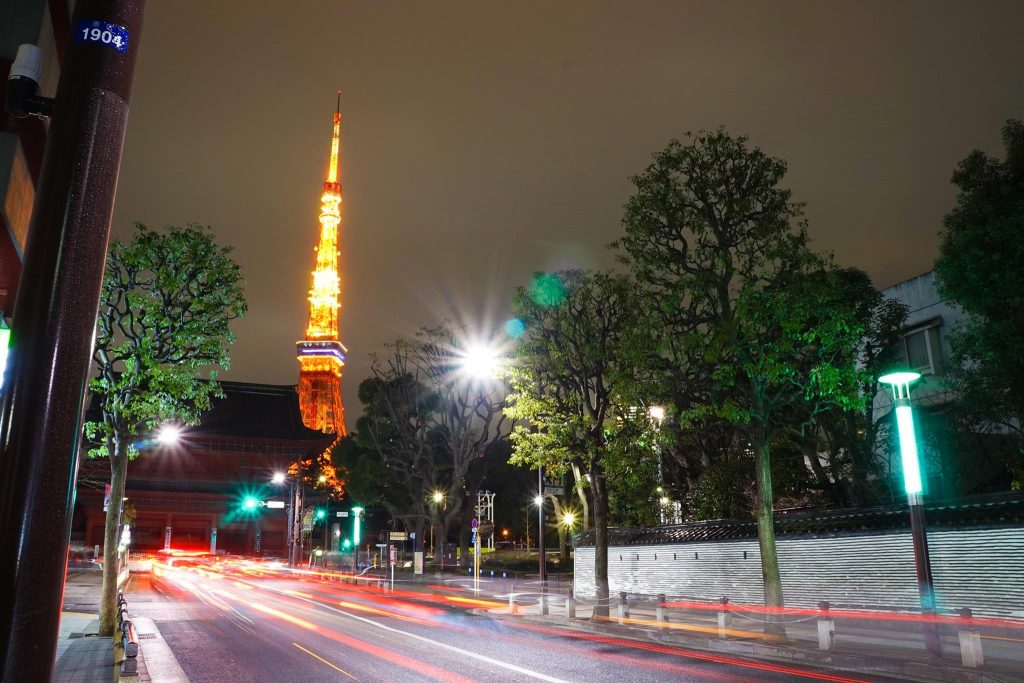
(623, 608)
(971, 654)
(661, 614)
(570, 608)
(512, 604)
(826, 628)
(544, 604)
(724, 619)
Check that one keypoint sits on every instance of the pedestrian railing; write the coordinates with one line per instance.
(126, 647)
(747, 622)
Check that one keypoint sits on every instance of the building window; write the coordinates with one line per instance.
(923, 349)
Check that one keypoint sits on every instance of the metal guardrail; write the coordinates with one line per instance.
(126, 650)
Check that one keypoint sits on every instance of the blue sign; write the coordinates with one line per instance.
(95, 31)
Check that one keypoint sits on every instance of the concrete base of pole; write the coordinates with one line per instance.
(570, 608)
(826, 635)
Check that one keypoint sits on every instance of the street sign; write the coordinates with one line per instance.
(554, 490)
(275, 504)
(398, 536)
(307, 520)
(343, 513)
(394, 555)
(474, 524)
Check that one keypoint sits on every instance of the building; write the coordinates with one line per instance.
(926, 338)
(184, 494)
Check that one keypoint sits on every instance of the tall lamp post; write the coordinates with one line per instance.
(914, 486)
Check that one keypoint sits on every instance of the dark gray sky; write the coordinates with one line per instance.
(484, 141)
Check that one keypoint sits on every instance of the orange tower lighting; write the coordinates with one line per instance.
(321, 354)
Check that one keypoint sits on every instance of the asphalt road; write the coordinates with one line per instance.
(234, 623)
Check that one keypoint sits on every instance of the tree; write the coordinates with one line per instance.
(430, 423)
(752, 322)
(853, 443)
(571, 380)
(981, 268)
(165, 309)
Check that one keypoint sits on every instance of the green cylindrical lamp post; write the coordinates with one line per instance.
(913, 483)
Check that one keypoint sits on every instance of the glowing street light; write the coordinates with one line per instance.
(538, 500)
(438, 496)
(913, 483)
(278, 478)
(169, 434)
(356, 514)
(322, 479)
(569, 519)
(481, 362)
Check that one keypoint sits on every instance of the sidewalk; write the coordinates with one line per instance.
(885, 652)
(82, 655)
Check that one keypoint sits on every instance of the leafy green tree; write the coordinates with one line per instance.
(981, 269)
(843, 447)
(571, 380)
(749, 316)
(165, 309)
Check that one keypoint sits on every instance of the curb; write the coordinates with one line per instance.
(159, 661)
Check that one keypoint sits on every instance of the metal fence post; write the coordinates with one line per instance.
(661, 615)
(826, 628)
(971, 654)
(724, 618)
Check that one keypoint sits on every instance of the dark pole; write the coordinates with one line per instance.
(291, 524)
(925, 582)
(52, 335)
(540, 530)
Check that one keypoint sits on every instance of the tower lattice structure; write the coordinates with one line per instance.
(321, 354)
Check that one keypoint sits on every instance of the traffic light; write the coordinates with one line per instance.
(321, 513)
(346, 544)
(250, 503)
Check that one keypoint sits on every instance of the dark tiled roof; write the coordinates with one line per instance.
(981, 511)
(262, 411)
(254, 411)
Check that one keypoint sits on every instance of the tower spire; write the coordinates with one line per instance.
(321, 354)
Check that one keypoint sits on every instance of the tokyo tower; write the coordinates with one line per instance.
(321, 354)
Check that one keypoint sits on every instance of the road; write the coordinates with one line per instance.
(237, 622)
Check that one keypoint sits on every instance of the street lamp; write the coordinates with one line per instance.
(169, 434)
(481, 362)
(913, 484)
(278, 478)
(569, 519)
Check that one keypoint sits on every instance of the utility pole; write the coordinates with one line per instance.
(542, 563)
(54, 326)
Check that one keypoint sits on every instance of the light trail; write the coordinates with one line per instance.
(693, 654)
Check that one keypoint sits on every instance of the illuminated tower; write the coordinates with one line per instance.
(321, 355)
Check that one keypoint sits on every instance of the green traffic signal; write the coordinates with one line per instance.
(250, 503)
(321, 513)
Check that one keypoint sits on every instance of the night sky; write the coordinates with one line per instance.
(484, 141)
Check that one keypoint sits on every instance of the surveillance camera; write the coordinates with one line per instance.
(23, 84)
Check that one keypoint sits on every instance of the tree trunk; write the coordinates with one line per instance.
(111, 538)
(579, 485)
(597, 483)
(766, 536)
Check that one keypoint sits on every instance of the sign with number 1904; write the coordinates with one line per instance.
(102, 33)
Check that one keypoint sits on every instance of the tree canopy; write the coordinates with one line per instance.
(163, 329)
(754, 328)
(981, 269)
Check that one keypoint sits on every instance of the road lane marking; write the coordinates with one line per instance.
(445, 646)
(316, 656)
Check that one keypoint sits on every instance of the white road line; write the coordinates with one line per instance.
(446, 646)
